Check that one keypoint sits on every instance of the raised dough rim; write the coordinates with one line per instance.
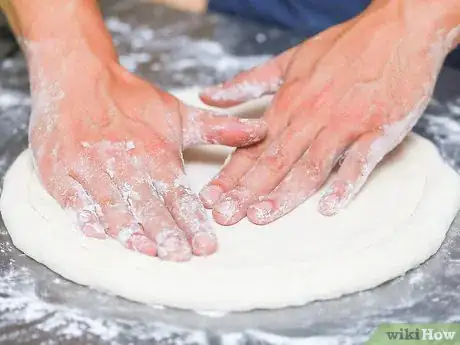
(424, 251)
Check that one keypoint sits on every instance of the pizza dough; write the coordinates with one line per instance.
(398, 221)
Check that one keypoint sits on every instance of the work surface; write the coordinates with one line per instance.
(177, 50)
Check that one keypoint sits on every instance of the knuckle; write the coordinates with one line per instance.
(82, 166)
(185, 202)
(249, 154)
(159, 146)
(113, 231)
(292, 132)
(290, 89)
(145, 210)
(70, 197)
(109, 203)
(313, 170)
(275, 164)
(276, 158)
(360, 161)
(225, 180)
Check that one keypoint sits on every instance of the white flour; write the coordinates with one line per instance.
(20, 303)
(153, 49)
(255, 336)
(23, 306)
(443, 128)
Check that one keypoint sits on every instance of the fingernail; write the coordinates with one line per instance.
(211, 90)
(94, 230)
(262, 210)
(329, 203)
(335, 198)
(125, 234)
(226, 209)
(204, 243)
(173, 246)
(85, 216)
(210, 195)
(143, 245)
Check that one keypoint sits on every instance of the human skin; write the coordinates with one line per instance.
(108, 145)
(197, 6)
(344, 98)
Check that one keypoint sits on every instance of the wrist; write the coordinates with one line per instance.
(436, 20)
(426, 23)
(56, 29)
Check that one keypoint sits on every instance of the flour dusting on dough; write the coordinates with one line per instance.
(287, 258)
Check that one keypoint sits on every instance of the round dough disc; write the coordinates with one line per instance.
(397, 221)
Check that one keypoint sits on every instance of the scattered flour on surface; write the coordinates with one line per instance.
(260, 337)
(195, 59)
(20, 306)
(441, 124)
(154, 48)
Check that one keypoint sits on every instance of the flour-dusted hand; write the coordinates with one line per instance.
(108, 146)
(346, 97)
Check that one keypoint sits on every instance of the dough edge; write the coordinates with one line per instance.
(292, 288)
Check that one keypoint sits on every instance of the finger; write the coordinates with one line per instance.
(267, 172)
(190, 215)
(202, 127)
(268, 78)
(82, 210)
(184, 206)
(304, 179)
(252, 84)
(137, 189)
(157, 222)
(118, 221)
(79, 206)
(243, 159)
(359, 163)
(235, 166)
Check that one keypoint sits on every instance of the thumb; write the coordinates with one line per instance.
(204, 127)
(259, 81)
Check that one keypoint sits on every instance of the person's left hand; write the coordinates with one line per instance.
(354, 91)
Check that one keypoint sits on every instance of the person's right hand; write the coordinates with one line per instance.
(108, 147)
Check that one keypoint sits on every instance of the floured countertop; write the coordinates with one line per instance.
(178, 50)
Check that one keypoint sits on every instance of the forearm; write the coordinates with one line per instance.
(198, 6)
(66, 25)
(429, 17)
